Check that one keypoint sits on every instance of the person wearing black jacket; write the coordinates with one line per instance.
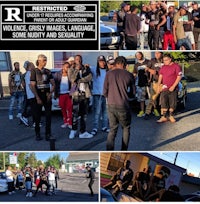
(91, 176)
(121, 180)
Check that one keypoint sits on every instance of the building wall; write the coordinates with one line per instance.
(187, 188)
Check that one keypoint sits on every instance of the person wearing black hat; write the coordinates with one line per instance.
(196, 19)
(99, 101)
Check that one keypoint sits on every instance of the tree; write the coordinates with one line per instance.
(54, 161)
(21, 159)
(31, 160)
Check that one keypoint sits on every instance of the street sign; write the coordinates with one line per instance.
(13, 159)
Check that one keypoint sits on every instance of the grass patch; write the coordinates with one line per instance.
(105, 176)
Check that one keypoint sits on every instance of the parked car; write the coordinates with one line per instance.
(106, 196)
(3, 182)
(191, 197)
(111, 14)
(182, 93)
(110, 38)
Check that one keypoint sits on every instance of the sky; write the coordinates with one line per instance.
(187, 160)
(43, 156)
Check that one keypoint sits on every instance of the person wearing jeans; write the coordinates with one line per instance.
(16, 87)
(118, 88)
(99, 101)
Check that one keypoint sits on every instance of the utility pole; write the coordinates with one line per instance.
(175, 158)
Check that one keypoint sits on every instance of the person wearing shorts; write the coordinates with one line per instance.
(169, 76)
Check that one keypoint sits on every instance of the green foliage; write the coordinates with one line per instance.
(106, 6)
(55, 161)
(32, 160)
(180, 58)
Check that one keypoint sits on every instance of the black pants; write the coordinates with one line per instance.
(80, 108)
(118, 116)
(90, 186)
(40, 186)
(131, 42)
(11, 186)
(153, 39)
(37, 113)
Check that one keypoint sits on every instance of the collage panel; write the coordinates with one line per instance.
(149, 176)
(149, 25)
(49, 176)
(146, 120)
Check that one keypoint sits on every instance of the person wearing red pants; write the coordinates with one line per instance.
(62, 91)
(168, 38)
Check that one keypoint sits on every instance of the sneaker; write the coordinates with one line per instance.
(19, 115)
(13, 192)
(72, 134)
(69, 126)
(30, 194)
(24, 120)
(172, 119)
(85, 135)
(141, 114)
(162, 120)
(94, 132)
(39, 125)
(10, 117)
(9, 193)
(156, 113)
(65, 125)
(105, 129)
(147, 116)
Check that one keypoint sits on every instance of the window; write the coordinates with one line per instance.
(5, 61)
(116, 161)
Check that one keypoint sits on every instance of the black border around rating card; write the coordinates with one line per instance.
(49, 25)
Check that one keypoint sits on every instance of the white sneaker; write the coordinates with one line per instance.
(85, 135)
(19, 115)
(10, 117)
(30, 194)
(24, 120)
(10, 193)
(64, 125)
(27, 195)
(72, 134)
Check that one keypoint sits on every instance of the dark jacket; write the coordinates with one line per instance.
(126, 179)
(57, 78)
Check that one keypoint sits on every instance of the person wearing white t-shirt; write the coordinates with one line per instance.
(52, 180)
(10, 180)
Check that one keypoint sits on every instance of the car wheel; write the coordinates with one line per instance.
(183, 104)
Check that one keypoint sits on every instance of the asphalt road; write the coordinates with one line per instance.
(71, 187)
(184, 135)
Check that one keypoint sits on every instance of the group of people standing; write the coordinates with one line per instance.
(24, 178)
(166, 28)
(112, 88)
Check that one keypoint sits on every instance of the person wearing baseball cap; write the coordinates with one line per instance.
(110, 62)
(99, 101)
(196, 19)
(182, 42)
